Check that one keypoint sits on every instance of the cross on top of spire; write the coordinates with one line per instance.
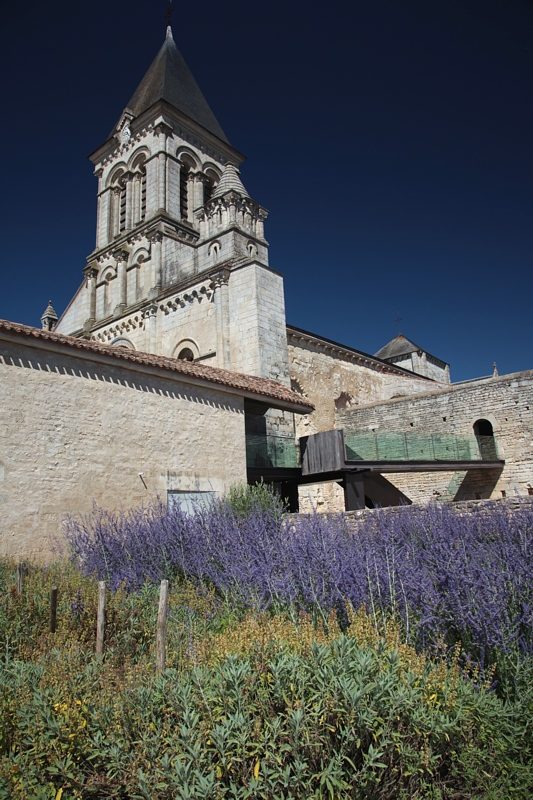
(168, 16)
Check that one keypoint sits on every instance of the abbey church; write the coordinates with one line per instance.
(173, 372)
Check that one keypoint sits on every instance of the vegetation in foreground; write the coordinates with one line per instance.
(310, 695)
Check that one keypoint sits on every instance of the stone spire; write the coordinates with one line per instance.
(230, 181)
(169, 79)
(49, 318)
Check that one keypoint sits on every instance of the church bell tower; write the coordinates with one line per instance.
(180, 266)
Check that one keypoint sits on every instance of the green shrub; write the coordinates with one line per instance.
(341, 721)
(245, 499)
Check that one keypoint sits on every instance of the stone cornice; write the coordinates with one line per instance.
(233, 228)
(181, 125)
(160, 222)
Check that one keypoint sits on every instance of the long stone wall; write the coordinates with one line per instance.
(505, 401)
(75, 431)
(354, 519)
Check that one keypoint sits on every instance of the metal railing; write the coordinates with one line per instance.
(271, 451)
(407, 446)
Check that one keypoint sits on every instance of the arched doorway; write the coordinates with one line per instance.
(484, 434)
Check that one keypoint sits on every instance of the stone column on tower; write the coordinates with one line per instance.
(150, 322)
(163, 131)
(122, 260)
(156, 239)
(220, 283)
(90, 281)
(115, 212)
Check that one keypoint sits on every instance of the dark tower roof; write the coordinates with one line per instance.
(402, 346)
(399, 346)
(169, 78)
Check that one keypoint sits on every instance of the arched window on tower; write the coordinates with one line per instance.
(186, 201)
(143, 192)
(184, 191)
(117, 188)
(484, 434)
(138, 189)
(122, 212)
(210, 181)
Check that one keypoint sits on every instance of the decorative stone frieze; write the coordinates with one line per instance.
(198, 294)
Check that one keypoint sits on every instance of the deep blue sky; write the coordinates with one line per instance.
(391, 141)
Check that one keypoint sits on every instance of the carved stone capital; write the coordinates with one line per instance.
(150, 311)
(90, 272)
(154, 236)
(220, 278)
(200, 177)
(163, 128)
(121, 255)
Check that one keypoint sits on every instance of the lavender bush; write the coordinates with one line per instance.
(459, 577)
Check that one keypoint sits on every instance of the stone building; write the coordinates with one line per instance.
(81, 422)
(173, 371)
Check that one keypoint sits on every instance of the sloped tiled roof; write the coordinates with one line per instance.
(245, 384)
(169, 78)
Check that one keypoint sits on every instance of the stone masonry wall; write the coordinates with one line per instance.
(354, 519)
(505, 401)
(331, 382)
(75, 431)
(257, 323)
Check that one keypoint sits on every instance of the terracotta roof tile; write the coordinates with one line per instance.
(234, 380)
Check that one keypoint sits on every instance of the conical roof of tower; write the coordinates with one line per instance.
(230, 181)
(49, 311)
(169, 78)
(399, 346)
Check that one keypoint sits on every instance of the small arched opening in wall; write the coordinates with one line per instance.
(107, 276)
(121, 341)
(484, 433)
(214, 251)
(186, 350)
(138, 276)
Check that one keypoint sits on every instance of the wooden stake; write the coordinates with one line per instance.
(53, 609)
(19, 577)
(100, 619)
(162, 614)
